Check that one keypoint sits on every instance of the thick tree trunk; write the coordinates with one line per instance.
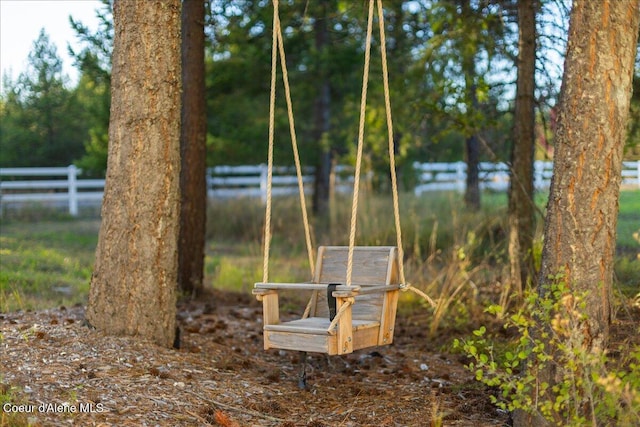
(134, 282)
(580, 228)
(193, 149)
(580, 231)
(521, 204)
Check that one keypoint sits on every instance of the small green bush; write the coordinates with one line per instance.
(587, 391)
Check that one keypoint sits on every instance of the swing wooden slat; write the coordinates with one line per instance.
(368, 316)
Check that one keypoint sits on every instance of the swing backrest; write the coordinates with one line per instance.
(372, 266)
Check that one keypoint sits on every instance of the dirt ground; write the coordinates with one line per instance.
(64, 373)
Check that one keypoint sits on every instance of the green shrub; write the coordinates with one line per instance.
(586, 391)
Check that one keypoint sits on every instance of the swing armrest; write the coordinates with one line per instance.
(341, 290)
(366, 290)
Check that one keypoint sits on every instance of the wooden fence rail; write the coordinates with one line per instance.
(63, 186)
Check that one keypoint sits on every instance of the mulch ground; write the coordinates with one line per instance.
(63, 373)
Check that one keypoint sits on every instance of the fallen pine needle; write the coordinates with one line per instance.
(233, 408)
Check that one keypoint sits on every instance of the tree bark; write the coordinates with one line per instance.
(580, 231)
(134, 282)
(472, 189)
(193, 213)
(521, 204)
(580, 227)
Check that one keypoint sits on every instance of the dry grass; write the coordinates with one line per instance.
(452, 255)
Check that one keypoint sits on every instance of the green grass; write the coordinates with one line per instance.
(628, 239)
(49, 263)
(627, 264)
(45, 263)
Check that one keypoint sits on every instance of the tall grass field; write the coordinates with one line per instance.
(459, 256)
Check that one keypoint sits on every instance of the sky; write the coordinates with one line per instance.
(20, 24)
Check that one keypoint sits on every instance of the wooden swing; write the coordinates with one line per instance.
(354, 288)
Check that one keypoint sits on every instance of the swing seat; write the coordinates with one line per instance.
(366, 310)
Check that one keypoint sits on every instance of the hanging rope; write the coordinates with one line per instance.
(356, 180)
(392, 162)
(392, 156)
(347, 303)
(294, 145)
(272, 109)
(278, 47)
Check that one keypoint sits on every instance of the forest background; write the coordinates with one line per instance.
(437, 50)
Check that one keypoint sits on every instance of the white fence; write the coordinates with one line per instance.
(63, 187)
(495, 176)
(56, 186)
(251, 181)
(492, 176)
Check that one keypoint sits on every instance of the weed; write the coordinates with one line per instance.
(14, 408)
(437, 417)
